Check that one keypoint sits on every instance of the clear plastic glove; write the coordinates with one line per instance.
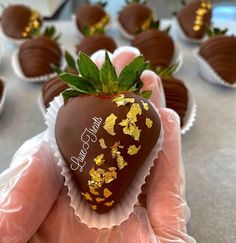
(34, 205)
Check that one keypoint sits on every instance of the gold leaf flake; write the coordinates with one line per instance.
(100, 199)
(145, 106)
(149, 122)
(102, 143)
(93, 191)
(136, 133)
(133, 112)
(94, 207)
(107, 193)
(110, 175)
(209, 5)
(110, 123)
(87, 196)
(196, 27)
(203, 4)
(99, 160)
(121, 162)
(201, 11)
(114, 149)
(122, 100)
(132, 150)
(97, 179)
(129, 126)
(109, 204)
(146, 24)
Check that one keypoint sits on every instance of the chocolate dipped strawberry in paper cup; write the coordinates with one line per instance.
(216, 58)
(106, 136)
(193, 19)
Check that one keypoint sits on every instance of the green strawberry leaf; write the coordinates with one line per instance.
(108, 76)
(131, 73)
(146, 94)
(78, 83)
(89, 71)
(56, 69)
(70, 60)
(68, 93)
(137, 86)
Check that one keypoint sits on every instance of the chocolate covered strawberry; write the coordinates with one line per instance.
(19, 21)
(92, 17)
(219, 51)
(36, 56)
(53, 87)
(176, 93)
(105, 130)
(156, 45)
(95, 41)
(194, 18)
(135, 16)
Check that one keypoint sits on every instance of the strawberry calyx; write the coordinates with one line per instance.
(104, 82)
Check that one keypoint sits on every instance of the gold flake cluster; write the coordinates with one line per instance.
(34, 23)
(100, 177)
(99, 25)
(204, 9)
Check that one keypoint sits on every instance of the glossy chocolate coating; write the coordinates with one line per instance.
(37, 55)
(89, 45)
(156, 46)
(220, 53)
(176, 94)
(51, 89)
(187, 16)
(77, 115)
(14, 20)
(88, 15)
(132, 16)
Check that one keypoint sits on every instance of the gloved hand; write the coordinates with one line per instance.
(34, 206)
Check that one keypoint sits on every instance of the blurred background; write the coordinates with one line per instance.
(224, 10)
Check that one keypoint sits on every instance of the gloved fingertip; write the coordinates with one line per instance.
(170, 119)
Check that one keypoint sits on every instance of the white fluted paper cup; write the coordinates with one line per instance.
(190, 116)
(18, 71)
(4, 93)
(208, 73)
(81, 208)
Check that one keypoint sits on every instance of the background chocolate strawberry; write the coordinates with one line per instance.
(37, 55)
(105, 130)
(219, 51)
(53, 87)
(91, 44)
(176, 93)
(156, 45)
(195, 17)
(19, 21)
(135, 17)
(90, 17)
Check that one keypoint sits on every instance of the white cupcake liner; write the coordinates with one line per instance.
(80, 34)
(4, 93)
(177, 58)
(190, 115)
(183, 36)
(42, 108)
(208, 73)
(81, 209)
(10, 39)
(18, 71)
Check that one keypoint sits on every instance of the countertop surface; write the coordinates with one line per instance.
(209, 148)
